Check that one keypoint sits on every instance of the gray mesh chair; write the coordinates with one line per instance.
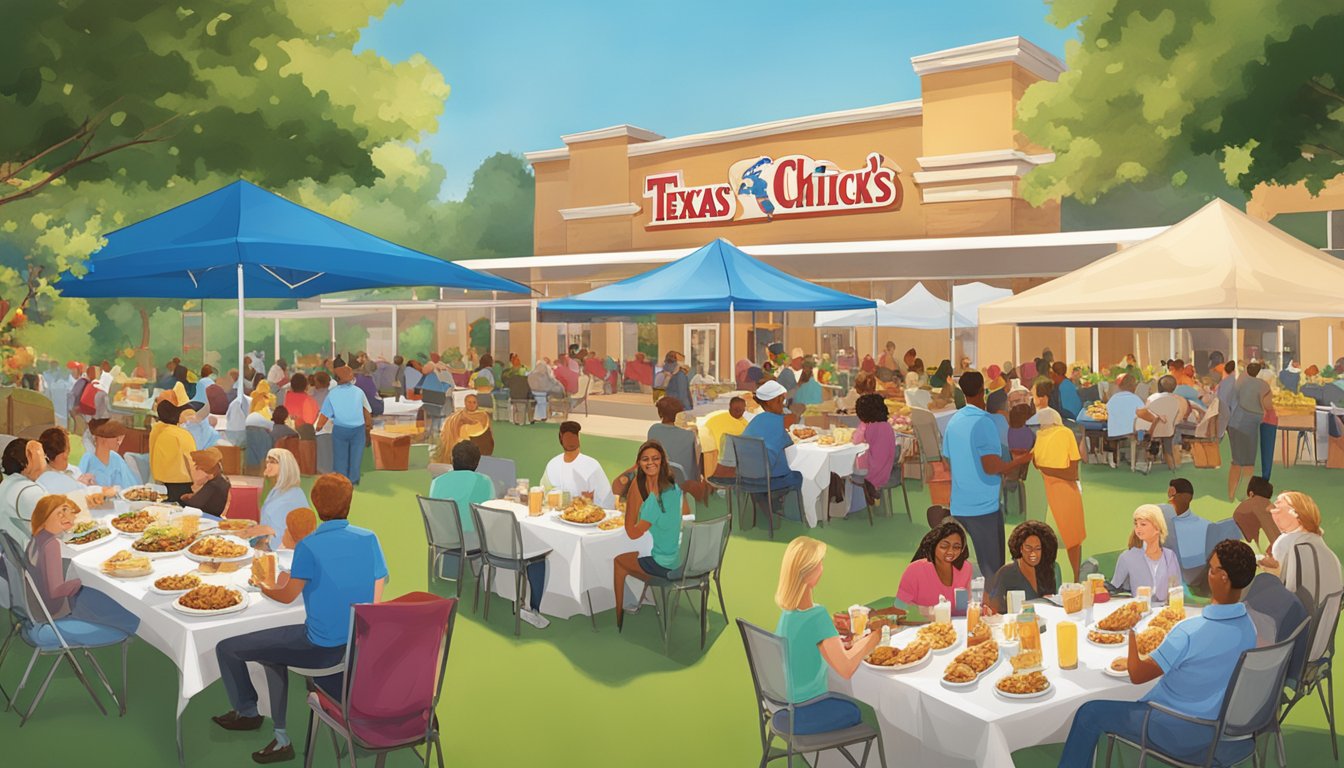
(503, 473)
(51, 637)
(753, 478)
(502, 549)
(444, 535)
(1307, 567)
(433, 403)
(1316, 672)
(928, 437)
(703, 545)
(1249, 711)
(521, 402)
(766, 656)
(895, 480)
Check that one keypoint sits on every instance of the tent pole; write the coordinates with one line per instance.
(1330, 343)
(1017, 345)
(333, 336)
(1096, 351)
(1280, 342)
(1236, 353)
(874, 335)
(277, 342)
(491, 345)
(1171, 343)
(951, 325)
(241, 353)
(732, 342)
(394, 328)
(532, 326)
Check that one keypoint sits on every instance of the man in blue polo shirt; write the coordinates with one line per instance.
(1193, 666)
(971, 445)
(335, 567)
(349, 411)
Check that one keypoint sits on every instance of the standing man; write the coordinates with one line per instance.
(971, 444)
(348, 410)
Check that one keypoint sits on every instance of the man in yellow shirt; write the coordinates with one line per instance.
(170, 448)
(721, 424)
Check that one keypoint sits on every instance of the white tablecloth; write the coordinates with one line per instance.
(816, 463)
(926, 724)
(942, 417)
(188, 641)
(400, 409)
(579, 568)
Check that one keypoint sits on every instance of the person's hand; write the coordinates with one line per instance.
(1268, 561)
(587, 495)
(871, 640)
(987, 610)
(85, 479)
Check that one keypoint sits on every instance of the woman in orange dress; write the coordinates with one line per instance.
(1056, 456)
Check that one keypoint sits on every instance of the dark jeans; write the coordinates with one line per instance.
(821, 716)
(1269, 434)
(347, 451)
(536, 579)
(176, 491)
(1180, 739)
(986, 532)
(275, 650)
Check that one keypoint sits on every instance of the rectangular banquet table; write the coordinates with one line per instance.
(923, 723)
(816, 463)
(579, 569)
(188, 641)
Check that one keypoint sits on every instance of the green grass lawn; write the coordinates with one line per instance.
(568, 696)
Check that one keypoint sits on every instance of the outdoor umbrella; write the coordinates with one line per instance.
(242, 240)
(718, 277)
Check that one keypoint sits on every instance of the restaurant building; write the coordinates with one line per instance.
(866, 200)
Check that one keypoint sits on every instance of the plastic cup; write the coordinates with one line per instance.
(1016, 597)
(858, 619)
(1066, 638)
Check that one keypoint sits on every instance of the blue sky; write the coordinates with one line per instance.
(524, 72)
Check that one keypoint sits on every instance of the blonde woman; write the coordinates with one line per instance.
(1299, 522)
(286, 495)
(1146, 563)
(812, 644)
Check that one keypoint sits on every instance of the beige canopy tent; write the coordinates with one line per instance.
(1214, 268)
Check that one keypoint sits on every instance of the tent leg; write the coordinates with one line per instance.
(532, 326)
(874, 334)
(1017, 345)
(1282, 359)
(333, 337)
(394, 328)
(1096, 350)
(951, 325)
(241, 351)
(276, 358)
(1236, 353)
(732, 344)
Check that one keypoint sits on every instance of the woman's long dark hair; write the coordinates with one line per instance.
(929, 544)
(665, 479)
(1045, 570)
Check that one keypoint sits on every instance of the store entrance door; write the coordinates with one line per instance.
(702, 349)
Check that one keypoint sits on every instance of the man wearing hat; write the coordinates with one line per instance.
(211, 494)
(348, 409)
(771, 426)
(103, 466)
(170, 448)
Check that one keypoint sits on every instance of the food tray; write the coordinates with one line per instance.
(207, 559)
(91, 544)
(900, 667)
(177, 605)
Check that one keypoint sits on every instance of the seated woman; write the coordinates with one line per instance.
(1033, 547)
(301, 405)
(809, 389)
(655, 505)
(1299, 522)
(67, 598)
(771, 426)
(1056, 457)
(285, 496)
(280, 428)
(103, 465)
(876, 463)
(812, 645)
(1146, 563)
(23, 462)
(469, 423)
(938, 569)
(915, 395)
(60, 477)
(210, 488)
(259, 411)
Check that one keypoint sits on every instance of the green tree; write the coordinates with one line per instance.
(496, 220)
(1148, 86)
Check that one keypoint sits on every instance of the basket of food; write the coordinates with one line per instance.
(802, 434)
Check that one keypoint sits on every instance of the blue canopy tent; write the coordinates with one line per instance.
(243, 241)
(718, 277)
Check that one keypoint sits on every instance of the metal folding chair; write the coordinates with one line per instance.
(444, 536)
(503, 473)
(1317, 670)
(753, 478)
(502, 549)
(703, 544)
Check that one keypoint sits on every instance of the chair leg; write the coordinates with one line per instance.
(906, 496)
(1110, 747)
(23, 681)
(125, 674)
(704, 612)
(98, 668)
(718, 587)
(1327, 702)
(476, 603)
(83, 678)
(313, 724)
(461, 570)
(41, 691)
(518, 598)
(489, 590)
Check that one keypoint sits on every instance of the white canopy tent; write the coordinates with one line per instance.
(921, 310)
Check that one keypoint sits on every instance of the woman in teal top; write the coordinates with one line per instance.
(809, 389)
(654, 505)
(811, 645)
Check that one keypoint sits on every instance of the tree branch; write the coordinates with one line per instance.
(1322, 149)
(89, 126)
(1319, 87)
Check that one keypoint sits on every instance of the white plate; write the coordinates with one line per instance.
(576, 525)
(1106, 670)
(801, 440)
(91, 544)
(941, 651)
(1022, 696)
(177, 605)
(173, 592)
(1112, 646)
(899, 667)
(159, 555)
(239, 559)
(978, 678)
(127, 576)
(136, 505)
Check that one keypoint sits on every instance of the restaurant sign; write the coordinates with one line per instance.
(763, 188)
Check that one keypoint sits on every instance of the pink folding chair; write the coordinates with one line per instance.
(394, 666)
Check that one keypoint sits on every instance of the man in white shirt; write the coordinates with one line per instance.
(1172, 408)
(576, 473)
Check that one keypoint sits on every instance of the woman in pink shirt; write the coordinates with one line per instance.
(938, 569)
(877, 434)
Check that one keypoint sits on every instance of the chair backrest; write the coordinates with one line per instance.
(443, 526)
(1218, 532)
(704, 546)
(518, 388)
(767, 656)
(1324, 624)
(1251, 703)
(753, 461)
(306, 432)
(1307, 567)
(1276, 612)
(502, 472)
(16, 570)
(928, 436)
(501, 536)
(259, 441)
(395, 664)
(433, 397)
(1089, 566)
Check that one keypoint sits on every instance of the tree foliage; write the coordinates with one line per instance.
(1152, 87)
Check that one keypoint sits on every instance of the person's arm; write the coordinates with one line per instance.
(368, 411)
(1141, 670)
(378, 589)
(994, 464)
(53, 572)
(1069, 473)
(285, 590)
(1120, 580)
(1149, 416)
(843, 661)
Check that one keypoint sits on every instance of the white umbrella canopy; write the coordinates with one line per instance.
(1216, 266)
(917, 309)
